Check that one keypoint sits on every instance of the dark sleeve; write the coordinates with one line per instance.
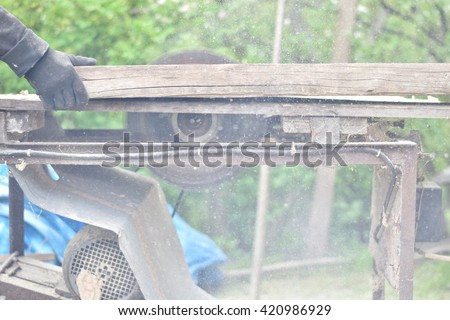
(20, 47)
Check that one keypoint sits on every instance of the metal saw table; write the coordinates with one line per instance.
(327, 117)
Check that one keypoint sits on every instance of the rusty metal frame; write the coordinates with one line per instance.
(393, 253)
(394, 248)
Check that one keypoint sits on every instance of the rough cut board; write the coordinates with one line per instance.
(164, 88)
(263, 80)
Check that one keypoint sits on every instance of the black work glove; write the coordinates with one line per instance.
(56, 82)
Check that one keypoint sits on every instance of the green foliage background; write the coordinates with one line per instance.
(123, 32)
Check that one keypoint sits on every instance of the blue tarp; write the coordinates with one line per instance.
(46, 232)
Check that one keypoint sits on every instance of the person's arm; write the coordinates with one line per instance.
(20, 48)
(48, 71)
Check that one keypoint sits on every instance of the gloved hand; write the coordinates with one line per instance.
(56, 82)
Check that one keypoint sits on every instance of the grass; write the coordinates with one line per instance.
(350, 281)
(432, 280)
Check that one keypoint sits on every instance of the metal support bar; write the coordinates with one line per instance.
(16, 217)
(407, 226)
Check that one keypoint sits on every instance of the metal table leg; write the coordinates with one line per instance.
(393, 228)
(16, 218)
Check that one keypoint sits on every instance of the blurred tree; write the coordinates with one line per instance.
(408, 31)
(324, 187)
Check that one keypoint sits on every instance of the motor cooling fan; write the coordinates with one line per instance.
(95, 268)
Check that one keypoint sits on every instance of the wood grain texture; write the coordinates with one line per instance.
(231, 89)
(265, 80)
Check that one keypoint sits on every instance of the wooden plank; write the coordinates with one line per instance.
(295, 107)
(3, 135)
(288, 265)
(12, 288)
(46, 257)
(346, 126)
(325, 130)
(266, 80)
(20, 102)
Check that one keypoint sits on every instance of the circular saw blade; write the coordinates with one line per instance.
(203, 128)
